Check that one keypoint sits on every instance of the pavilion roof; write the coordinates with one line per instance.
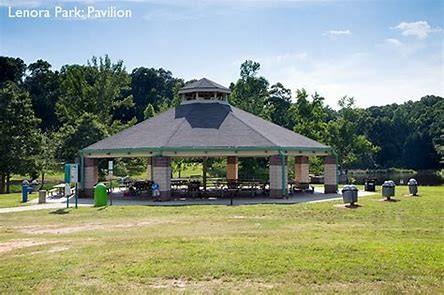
(200, 126)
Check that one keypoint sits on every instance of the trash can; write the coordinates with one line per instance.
(413, 186)
(350, 194)
(388, 189)
(25, 190)
(42, 196)
(370, 185)
(100, 195)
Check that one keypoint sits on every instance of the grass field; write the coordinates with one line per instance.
(381, 247)
(14, 199)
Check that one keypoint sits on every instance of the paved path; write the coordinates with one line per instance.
(315, 197)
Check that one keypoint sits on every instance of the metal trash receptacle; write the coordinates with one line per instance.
(350, 194)
(42, 196)
(413, 186)
(370, 185)
(388, 189)
(100, 195)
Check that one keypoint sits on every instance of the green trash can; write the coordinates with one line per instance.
(100, 195)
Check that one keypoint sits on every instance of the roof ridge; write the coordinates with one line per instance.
(246, 124)
(182, 121)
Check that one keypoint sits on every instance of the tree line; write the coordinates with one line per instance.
(48, 115)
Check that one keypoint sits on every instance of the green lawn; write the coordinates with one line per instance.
(381, 247)
(14, 199)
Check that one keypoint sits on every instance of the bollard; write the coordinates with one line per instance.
(42, 196)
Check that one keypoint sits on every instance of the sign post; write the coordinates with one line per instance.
(71, 176)
(110, 176)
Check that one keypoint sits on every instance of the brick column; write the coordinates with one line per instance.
(330, 177)
(301, 172)
(149, 169)
(275, 173)
(90, 177)
(232, 168)
(162, 176)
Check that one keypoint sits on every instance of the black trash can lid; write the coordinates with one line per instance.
(350, 187)
(412, 181)
(388, 183)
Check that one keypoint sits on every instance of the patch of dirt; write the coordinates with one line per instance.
(212, 284)
(58, 229)
(22, 243)
(54, 249)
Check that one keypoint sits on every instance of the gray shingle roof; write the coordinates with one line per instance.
(203, 85)
(205, 125)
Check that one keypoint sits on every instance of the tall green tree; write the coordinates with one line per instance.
(353, 149)
(12, 69)
(250, 92)
(309, 116)
(87, 130)
(97, 88)
(278, 105)
(44, 88)
(19, 133)
(151, 86)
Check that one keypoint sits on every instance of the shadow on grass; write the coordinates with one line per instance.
(61, 211)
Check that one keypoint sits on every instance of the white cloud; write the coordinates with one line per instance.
(394, 42)
(419, 29)
(337, 33)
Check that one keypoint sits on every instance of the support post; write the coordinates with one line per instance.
(301, 172)
(204, 173)
(90, 176)
(162, 176)
(232, 168)
(330, 175)
(149, 168)
(278, 173)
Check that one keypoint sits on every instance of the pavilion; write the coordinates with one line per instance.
(206, 125)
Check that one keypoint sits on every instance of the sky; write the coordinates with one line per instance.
(379, 52)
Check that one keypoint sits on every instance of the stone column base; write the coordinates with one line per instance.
(330, 188)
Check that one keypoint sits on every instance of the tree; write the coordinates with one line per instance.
(19, 133)
(353, 149)
(87, 130)
(309, 117)
(43, 86)
(12, 69)
(149, 112)
(250, 92)
(151, 86)
(278, 105)
(97, 89)
(45, 160)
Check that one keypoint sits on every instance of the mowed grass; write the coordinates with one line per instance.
(381, 247)
(15, 199)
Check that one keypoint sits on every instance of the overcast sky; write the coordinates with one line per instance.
(380, 52)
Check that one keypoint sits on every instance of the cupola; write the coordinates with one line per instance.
(204, 90)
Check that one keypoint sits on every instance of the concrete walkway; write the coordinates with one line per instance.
(60, 203)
